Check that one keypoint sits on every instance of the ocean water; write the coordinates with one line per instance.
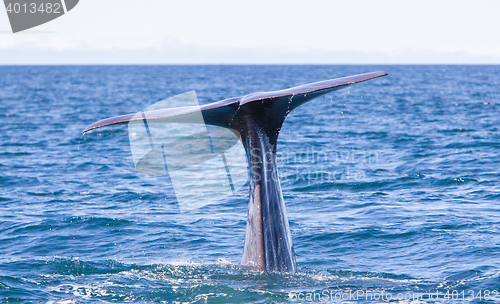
(392, 189)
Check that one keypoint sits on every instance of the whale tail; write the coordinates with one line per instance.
(257, 118)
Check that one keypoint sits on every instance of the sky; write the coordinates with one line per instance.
(261, 32)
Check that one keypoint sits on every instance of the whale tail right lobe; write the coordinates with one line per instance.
(268, 241)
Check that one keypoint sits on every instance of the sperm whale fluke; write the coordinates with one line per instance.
(258, 118)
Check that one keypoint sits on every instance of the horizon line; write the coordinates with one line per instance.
(235, 64)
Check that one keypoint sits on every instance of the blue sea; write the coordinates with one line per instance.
(392, 189)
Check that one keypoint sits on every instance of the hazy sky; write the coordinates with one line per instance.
(188, 31)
